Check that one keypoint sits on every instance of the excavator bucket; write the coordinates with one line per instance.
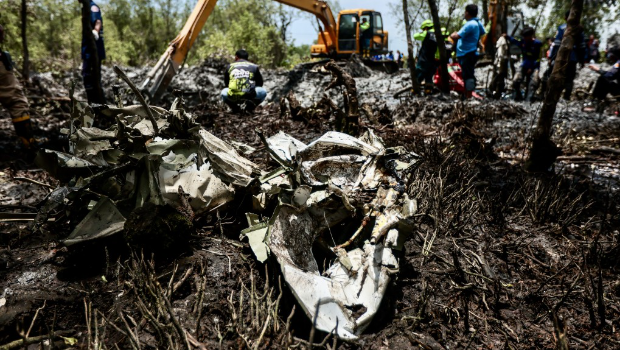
(158, 79)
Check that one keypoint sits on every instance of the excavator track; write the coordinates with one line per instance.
(385, 66)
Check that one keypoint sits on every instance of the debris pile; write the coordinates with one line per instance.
(155, 171)
(345, 197)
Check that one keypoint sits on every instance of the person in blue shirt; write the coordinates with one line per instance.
(608, 82)
(90, 66)
(578, 55)
(467, 45)
(530, 48)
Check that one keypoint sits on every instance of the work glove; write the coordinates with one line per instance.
(96, 34)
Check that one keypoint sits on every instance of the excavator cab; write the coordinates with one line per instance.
(350, 35)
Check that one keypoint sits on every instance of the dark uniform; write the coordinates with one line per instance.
(529, 68)
(426, 66)
(608, 83)
(91, 67)
(244, 83)
(577, 55)
(366, 35)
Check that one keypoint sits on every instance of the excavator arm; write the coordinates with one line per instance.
(323, 12)
(158, 79)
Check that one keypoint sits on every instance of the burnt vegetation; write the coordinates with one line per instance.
(510, 229)
(498, 258)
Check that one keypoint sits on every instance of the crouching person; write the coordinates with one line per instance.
(607, 83)
(244, 84)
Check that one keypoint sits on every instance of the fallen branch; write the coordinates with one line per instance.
(33, 181)
(340, 77)
(32, 340)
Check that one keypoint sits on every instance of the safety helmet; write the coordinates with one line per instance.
(427, 24)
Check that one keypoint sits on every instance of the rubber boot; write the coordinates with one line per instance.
(517, 95)
(23, 129)
(428, 89)
(235, 108)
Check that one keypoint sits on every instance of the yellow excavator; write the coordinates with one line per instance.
(337, 40)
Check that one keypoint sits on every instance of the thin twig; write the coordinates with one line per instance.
(135, 90)
(33, 181)
(35, 318)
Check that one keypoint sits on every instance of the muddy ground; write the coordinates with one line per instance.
(499, 259)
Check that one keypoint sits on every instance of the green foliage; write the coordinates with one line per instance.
(248, 24)
(597, 14)
(450, 13)
(51, 32)
(137, 32)
(596, 18)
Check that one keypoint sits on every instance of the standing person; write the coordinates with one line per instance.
(399, 59)
(578, 55)
(593, 52)
(550, 41)
(390, 56)
(426, 66)
(12, 98)
(467, 45)
(530, 65)
(366, 36)
(244, 84)
(91, 68)
(590, 40)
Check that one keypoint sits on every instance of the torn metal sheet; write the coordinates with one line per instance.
(335, 143)
(206, 191)
(283, 148)
(102, 221)
(243, 148)
(257, 235)
(359, 282)
(327, 182)
(91, 143)
(133, 111)
(225, 160)
(341, 171)
(63, 166)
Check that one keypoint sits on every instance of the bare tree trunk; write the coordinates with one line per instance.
(410, 60)
(93, 64)
(26, 64)
(485, 11)
(544, 152)
(443, 56)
